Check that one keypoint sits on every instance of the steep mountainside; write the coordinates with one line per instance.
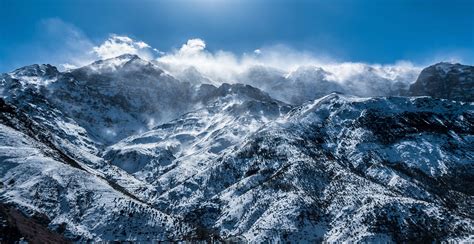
(172, 152)
(122, 150)
(72, 199)
(118, 97)
(445, 80)
(340, 169)
(111, 98)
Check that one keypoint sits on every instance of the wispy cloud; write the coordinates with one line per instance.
(288, 74)
(225, 66)
(117, 45)
(59, 43)
(192, 47)
(65, 45)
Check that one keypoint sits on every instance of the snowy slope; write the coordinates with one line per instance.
(325, 172)
(122, 150)
(121, 96)
(174, 151)
(39, 179)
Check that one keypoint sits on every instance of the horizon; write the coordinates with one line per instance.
(418, 32)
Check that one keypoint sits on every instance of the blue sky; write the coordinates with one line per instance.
(383, 31)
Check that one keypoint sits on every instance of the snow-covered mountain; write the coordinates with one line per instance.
(118, 97)
(342, 169)
(123, 149)
(445, 80)
(46, 183)
(311, 82)
(174, 151)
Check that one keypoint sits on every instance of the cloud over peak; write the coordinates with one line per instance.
(288, 74)
(192, 47)
(221, 65)
(117, 45)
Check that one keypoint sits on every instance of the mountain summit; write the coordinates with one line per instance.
(124, 150)
(445, 80)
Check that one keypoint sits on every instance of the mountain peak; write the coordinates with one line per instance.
(304, 72)
(241, 90)
(38, 70)
(122, 141)
(125, 62)
(445, 80)
(128, 56)
(117, 61)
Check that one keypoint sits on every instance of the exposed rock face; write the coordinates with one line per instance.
(122, 150)
(445, 80)
(16, 226)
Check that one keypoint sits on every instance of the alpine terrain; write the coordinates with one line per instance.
(126, 149)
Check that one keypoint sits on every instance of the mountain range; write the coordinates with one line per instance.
(124, 149)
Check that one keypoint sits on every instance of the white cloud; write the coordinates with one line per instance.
(65, 45)
(117, 45)
(67, 66)
(226, 66)
(77, 49)
(284, 63)
(192, 47)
